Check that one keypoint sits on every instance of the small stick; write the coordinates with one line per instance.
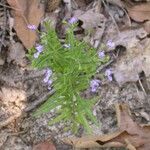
(36, 103)
(30, 76)
(104, 66)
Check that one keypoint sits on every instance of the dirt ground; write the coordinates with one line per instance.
(22, 90)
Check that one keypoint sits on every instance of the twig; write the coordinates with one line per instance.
(38, 102)
(142, 86)
(33, 75)
(105, 65)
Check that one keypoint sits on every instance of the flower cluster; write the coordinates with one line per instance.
(110, 44)
(108, 74)
(101, 54)
(32, 27)
(47, 80)
(39, 49)
(94, 85)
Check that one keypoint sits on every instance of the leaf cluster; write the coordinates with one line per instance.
(72, 69)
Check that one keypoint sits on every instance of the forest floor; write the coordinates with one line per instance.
(21, 87)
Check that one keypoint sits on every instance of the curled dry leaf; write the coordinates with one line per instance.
(26, 12)
(129, 135)
(140, 12)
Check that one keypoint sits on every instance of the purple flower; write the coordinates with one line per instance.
(49, 84)
(49, 88)
(48, 73)
(94, 84)
(109, 73)
(36, 55)
(47, 80)
(32, 27)
(110, 44)
(39, 48)
(73, 20)
(101, 54)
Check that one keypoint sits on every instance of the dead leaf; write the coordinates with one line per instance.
(94, 24)
(91, 19)
(135, 61)
(129, 134)
(16, 54)
(140, 12)
(44, 146)
(26, 12)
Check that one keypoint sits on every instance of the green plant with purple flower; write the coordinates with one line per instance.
(69, 68)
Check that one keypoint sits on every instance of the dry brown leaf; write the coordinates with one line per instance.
(135, 61)
(140, 12)
(44, 146)
(26, 12)
(129, 135)
(90, 19)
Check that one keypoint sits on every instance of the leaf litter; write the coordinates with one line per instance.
(127, 67)
(129, 134)
(24, 12)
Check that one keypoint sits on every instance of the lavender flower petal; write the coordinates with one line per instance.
(49, 88)
(109, 78)
(94, 85)
(109, 73)
(36, 55)
(73, 20)
(101, 54)
(46, 79)
(110, 44)
(32, 27)
(48, 73)
(39, 48)
(49, 82)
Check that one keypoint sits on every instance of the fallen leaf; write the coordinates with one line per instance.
(140, 12)
(44, 146)
(135, 61)
(94, 24)
(91, 19)
(129, 135)
(16, 53)
(26, 12)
